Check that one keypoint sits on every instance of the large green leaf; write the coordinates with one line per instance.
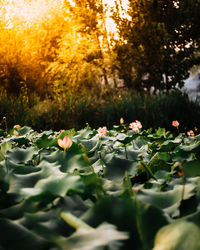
(181, 235)
(104, 236)
(46, 139)
(91, 144)
(128, 215)
(3, 150)
(25, 130)
(85, 133)
(61, 184)
(20, 155)
(116, 166)
(72, 159)
(192, 147)
(15, 236)
(191, 168)
(168, 201)
(159, 161)
(123, 138)
(48, 178)
(170, 144)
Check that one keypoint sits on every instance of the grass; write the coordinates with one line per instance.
(105, 110)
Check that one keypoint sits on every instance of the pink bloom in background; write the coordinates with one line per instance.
(191, 133)
(102, 131)
(121, 120)
(65, 143)
(134, 127)
(175, 124)
(62, 130)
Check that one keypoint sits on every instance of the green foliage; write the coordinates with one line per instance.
(56, 48)
(66, 46)
(96, 195)
(100, 110)
(174, 236)
(159, 43)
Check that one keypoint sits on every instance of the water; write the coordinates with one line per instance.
(192, 87)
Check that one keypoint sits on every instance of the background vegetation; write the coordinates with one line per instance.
(61, 65)
(76, 111)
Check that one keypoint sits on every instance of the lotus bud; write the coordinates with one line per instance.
(66, 143)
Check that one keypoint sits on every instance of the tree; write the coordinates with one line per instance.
(91, 18)
(84, 55)
(53, 46)
(28, 45)
(158, 42)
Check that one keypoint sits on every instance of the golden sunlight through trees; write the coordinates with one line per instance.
(29, 12)
(52, 45)
(27, 42)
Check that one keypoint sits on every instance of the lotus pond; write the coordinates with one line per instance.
(99, 189)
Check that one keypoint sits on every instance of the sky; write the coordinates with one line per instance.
(109, 21)
(29, 12)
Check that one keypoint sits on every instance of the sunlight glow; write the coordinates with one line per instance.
(123, 6)
(28, 12)
(43, 41)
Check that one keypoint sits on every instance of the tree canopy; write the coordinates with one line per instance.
(158, 42)
(66, 44)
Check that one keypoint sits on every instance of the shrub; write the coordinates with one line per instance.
(100, 110)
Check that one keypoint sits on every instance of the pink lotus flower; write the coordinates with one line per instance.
(66, 143)
(134, 127)
(191, 133)
(175, 124)
(102, 131)
(121, 120)
(62, 130)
